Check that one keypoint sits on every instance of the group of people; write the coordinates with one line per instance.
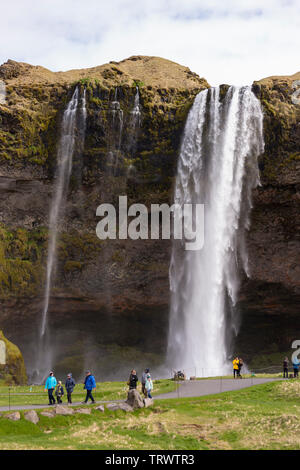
(237, 366)
(55, 387)
(295, 365)
(147, 384)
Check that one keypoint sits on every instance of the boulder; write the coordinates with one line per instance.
(113, 406)
(14, 416)
(63, 410)
(48, 413)
(125, 407)
(12, 366)
(148, 402)
(84, 411)
(100, 408)
(31, 416)
(134, 399)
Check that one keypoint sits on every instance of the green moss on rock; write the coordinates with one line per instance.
(13, 372)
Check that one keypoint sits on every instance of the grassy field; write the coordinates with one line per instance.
(35, 395)
(265, 416)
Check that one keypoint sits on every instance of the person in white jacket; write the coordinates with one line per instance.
(149, 385)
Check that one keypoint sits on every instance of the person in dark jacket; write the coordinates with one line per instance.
(89, 385)
(285, 368)
(133, 380)
(70, 384)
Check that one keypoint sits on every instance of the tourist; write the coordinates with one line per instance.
(50, 386)
(235, 363)
(70, 384)
(133, 380)
(59, 392)
(89, 386)
(144, 378)
(296, 367)
(149, 385)
(285, 368)
(241, 363)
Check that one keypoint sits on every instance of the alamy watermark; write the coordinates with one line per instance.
(184, 223)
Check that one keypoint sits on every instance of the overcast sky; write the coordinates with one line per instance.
(225, 41)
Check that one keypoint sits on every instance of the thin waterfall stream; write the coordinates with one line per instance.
(74, 116)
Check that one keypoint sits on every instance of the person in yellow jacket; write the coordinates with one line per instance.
(235, 363)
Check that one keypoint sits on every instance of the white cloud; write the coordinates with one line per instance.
(236, 41)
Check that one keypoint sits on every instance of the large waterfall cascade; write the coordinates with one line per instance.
(74, 116)
(217, 167)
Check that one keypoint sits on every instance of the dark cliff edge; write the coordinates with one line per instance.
(110, 299)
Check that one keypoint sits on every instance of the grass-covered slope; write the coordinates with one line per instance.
(261, 417)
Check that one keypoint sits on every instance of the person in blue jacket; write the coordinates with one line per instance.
(50, 385)
(296, 367)
(89, 385)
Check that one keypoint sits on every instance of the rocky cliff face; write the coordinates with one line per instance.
(109, 301)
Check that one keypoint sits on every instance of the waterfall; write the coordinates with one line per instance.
(217, 167)
(117, 129)
(74, 114)
(136, 112)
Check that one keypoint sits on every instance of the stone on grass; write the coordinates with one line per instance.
(100, 408)
(148, 402)
(15, 416)
(85, 411)
(125, 407)
(63, 410)
(113, 406)
(31, 416)
(134, 399)
(48, 413)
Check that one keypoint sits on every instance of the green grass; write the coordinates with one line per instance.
(265, 416)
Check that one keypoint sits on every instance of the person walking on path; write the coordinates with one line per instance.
(50, 386)
(144, 378)
(286, 368)
(133, 380)
(89, 386)
(296, 368)
(149, 385)
(59, 392)
(241, 363)
(235, 363)
(70, 384)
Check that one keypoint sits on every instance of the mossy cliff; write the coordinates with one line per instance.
(12, 368)
(109, 289)
(110, 299)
